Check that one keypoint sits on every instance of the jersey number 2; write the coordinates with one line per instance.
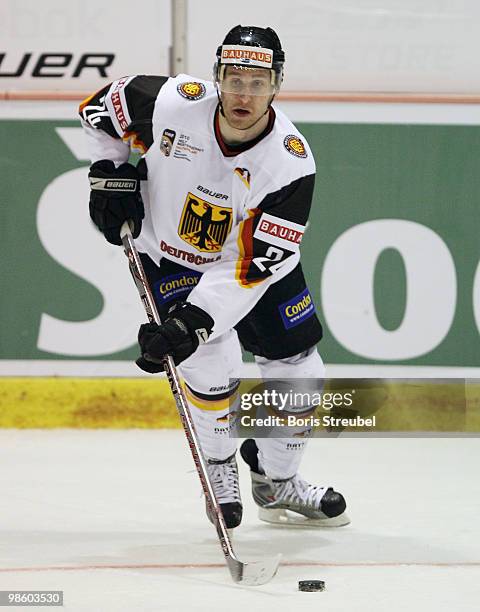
(271, 256)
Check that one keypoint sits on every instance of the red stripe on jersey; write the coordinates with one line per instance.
(245, 248)
(133, 139)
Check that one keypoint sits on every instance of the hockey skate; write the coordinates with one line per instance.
(224, 478)
(292, 501)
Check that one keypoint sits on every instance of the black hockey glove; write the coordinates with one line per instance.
(186, 327)
(115, 198)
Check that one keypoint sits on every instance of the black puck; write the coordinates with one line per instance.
(311, 585)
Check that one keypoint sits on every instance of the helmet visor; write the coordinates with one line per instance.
(247, 81)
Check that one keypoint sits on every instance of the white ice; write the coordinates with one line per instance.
(116, 520)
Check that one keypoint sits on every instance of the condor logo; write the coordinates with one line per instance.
(297, 310)
(176, 286)
(203, 225)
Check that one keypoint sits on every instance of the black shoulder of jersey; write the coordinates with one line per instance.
(292, 202)
(140, 95)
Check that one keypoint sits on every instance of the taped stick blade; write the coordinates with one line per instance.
(254, 573)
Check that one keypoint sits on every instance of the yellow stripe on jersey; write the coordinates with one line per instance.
(132, 139)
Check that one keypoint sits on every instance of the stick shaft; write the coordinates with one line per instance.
(148, 301)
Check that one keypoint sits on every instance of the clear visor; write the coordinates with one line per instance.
(248, 81)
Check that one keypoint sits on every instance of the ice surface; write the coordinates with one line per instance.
(116, 520)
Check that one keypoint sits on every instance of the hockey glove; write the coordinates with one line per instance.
(115, 198)
(186, 327)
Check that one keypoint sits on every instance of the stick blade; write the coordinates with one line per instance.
(254, 573)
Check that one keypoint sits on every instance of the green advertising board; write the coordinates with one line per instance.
(391, 252)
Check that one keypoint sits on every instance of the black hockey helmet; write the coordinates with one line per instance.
(251, 47)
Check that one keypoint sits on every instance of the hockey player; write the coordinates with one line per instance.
(218, 205)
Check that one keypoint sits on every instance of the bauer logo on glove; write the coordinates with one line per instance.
(115, 198)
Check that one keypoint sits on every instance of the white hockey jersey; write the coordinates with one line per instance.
(235, 214)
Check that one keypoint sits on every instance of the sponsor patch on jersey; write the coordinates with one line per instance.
(295, 146)
(121, 119)
(191, 90)
(297, 310)
(247, 56)
(198, 260)
(244, 175)
(176, 286)
(166, 143)
(280, 232)
(203, 225)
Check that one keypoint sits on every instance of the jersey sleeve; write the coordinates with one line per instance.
(263, 248)
(118, 118)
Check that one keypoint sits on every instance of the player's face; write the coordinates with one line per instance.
(246, 94)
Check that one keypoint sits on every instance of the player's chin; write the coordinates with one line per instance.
(241, 121)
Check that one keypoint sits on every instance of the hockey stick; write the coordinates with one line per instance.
(251, 573)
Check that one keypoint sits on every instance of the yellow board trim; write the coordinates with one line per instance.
(115, 403)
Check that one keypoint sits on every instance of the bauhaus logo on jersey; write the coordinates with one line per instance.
(297, 310)
(120, 105)
(275, 229)
(176, 286)
(280, 232)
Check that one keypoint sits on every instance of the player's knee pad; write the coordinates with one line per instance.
(280, 454)
(299, 380)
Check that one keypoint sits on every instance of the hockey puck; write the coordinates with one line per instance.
(311, 586)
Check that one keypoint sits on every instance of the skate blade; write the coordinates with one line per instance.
(277, 516)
